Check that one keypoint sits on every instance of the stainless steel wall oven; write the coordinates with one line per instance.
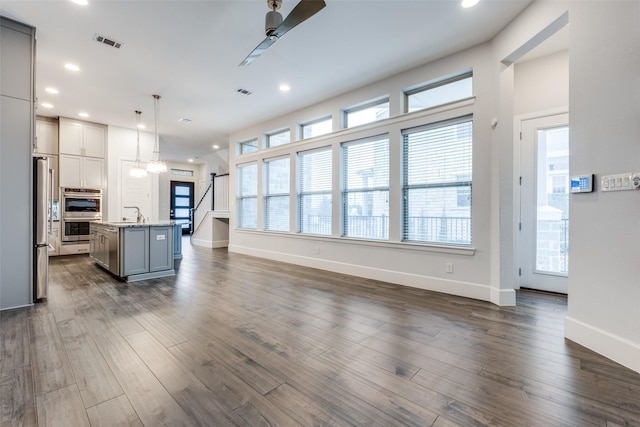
(80, 207)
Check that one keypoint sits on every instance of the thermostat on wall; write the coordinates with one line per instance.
(582, 183)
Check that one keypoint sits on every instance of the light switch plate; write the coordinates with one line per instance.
(620, 182)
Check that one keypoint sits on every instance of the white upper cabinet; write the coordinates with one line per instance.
(81, 172)
(46, 137)
(82, 138)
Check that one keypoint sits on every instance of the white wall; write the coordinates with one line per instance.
(604, 284)
(541, 84)
(413, 265)
(199, 179)
(604, 88)
(604, 280)
(121, 145)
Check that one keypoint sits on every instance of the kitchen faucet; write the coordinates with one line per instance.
(139, 217)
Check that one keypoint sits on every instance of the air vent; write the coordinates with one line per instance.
(244, 91)
(106, 40)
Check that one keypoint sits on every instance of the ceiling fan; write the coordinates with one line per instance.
(275, 27)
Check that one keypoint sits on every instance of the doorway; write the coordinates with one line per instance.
(181, 204)
(544, 203)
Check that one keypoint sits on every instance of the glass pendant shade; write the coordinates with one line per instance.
(137, 171)
(155, 165)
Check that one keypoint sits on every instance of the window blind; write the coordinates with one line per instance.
(437, 183)
(276, 194)
(314, 191)
(248, 196)
(365, 193)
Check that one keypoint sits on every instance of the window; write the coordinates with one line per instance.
(316, 128)
(182, 172)
(314, 191)
(279, 138)
(559, 184)
(365, 194)
(439, 93)
(248, 196)
(437, 171)
(248, 146)
(368, 113)
(276, 194)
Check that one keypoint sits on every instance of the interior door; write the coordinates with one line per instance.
(181, 204)
(135, 192)
(544, 198)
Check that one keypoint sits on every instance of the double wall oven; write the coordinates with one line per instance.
(80, 207)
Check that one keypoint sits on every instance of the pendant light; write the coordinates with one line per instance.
(137, 171)
(156, 165)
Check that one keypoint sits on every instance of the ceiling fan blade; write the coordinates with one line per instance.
(303, 11)
(259, 50)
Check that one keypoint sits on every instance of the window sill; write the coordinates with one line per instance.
(410, 246)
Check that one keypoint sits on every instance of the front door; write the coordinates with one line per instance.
(544, 198)
(181, 204)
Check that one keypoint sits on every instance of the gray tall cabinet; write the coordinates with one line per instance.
(17, 51)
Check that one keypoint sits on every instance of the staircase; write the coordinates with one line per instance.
(211, 226)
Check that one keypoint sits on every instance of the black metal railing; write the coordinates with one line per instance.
(192, 211)
(438, 229)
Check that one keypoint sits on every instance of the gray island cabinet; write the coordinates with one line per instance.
(135, 251)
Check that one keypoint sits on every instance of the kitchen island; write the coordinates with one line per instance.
(136, 251)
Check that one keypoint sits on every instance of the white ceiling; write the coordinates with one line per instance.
(188, 52)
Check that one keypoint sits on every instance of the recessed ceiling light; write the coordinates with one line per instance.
(285, 87)
(190, 160)
(83, 114)
(141, 126)
(216, 146)
(184, 120)
(47, 105)
(469, 3)
(71, 67)
(52, 90)
(80, 2)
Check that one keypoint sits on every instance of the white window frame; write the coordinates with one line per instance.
(373, 103)
(436, 85)
(268, 196)
(303, 194)
(270, 135)
(310, 123)
(359, 225)
(242, 198)
(248, 143)
(445, 225)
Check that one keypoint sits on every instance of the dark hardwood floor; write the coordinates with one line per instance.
(235, 340)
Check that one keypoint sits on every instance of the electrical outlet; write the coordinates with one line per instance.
(449, 268)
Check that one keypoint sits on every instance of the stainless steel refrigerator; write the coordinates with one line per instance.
(42, 195)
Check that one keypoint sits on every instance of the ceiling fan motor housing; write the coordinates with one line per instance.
(272, 22)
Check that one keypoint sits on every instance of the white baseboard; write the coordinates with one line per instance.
(618, 349)
(210, 243)
(503, 296)
(453, 287)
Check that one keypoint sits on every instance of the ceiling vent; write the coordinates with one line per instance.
(244, 91)
(106, 40)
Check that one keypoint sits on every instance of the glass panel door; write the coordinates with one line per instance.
(544, 195)
(181, 204)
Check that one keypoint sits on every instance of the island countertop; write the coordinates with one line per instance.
(129, 224)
